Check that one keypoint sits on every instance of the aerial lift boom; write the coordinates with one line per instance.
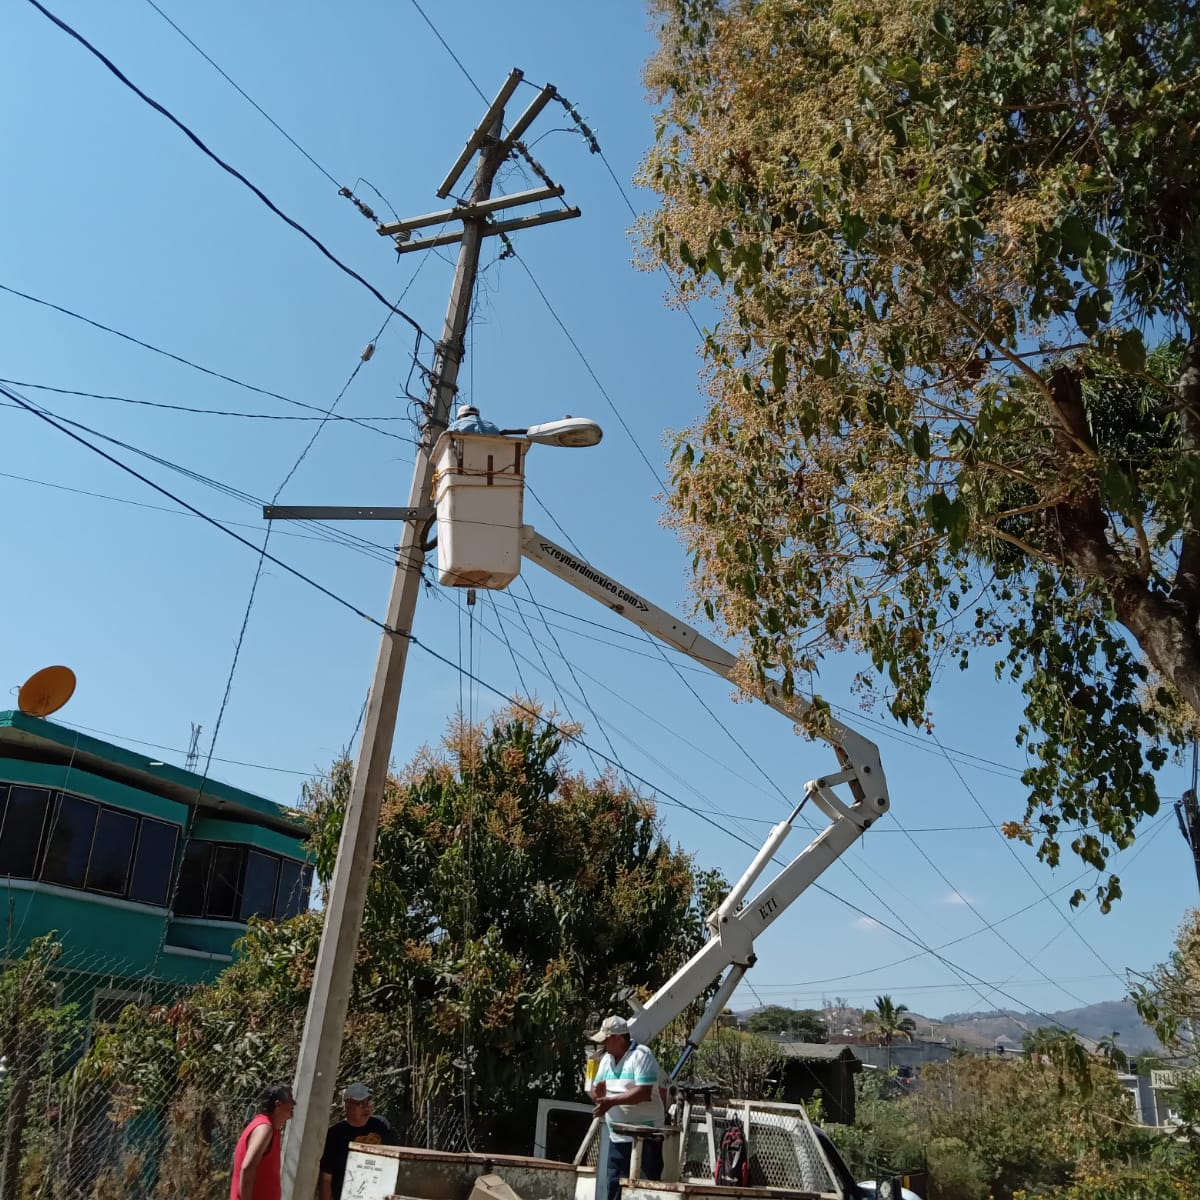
(736, 923)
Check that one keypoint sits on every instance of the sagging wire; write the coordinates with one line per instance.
(231, 170)
(195, 366)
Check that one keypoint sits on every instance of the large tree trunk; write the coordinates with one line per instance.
(1164, 626)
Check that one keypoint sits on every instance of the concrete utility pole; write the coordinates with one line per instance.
(329, 1000)
(1188, 811)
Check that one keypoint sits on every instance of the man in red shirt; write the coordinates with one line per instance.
(256, 1156)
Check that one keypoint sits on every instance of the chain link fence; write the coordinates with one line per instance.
(103, 1098)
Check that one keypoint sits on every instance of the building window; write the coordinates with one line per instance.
(75, 842)
(155, 862)
(21, 833)
(258, 886)
(225, 881)
(193, 879)
(112, 852)
(108, 1005)
(69, 846)
(295, 882)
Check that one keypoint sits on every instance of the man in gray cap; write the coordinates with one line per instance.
(360, 1125)
(626, 1092)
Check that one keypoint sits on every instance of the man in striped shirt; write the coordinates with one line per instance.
(626, 1092)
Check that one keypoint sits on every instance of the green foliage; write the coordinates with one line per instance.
(747, 1066)
(800, 1024)
(960, 1173)
(510, 898)
(1168, 996)
(884, 1138)
(1012, 1127)
(938, 231)
(39, 1035)
(1160, 1180)
(1168, 1000)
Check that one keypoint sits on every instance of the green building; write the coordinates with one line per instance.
(148, 873)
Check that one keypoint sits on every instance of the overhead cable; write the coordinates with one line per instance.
(1032, 878)
(204, 412)
(249, 99)
(373, 549)
(187, 362)
(237, 537)
(231, 170)
(908, 937)
(864, 884)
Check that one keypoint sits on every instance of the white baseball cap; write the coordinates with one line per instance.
(610, 1027)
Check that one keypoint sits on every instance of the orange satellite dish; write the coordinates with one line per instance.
(46, 691)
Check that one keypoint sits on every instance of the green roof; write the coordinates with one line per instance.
(40, 740)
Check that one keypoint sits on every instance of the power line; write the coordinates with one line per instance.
(249, 99)
(446, 46)
(231, 170)
(225, 166)
(262, 554)
(862, 883)
(970, 904)
(237, 537)
(783, 797)
(372, 549)
(876, 829)
(1142, 845)
(330, 533)
(204, 412)
(187, 362)
(545, 300)
(235, 762)
(986, 926)
(852, 716)
(588, 367)
(1137, 851)
(908, 937)
(929, 987)
(1032, 878)
(911, 937)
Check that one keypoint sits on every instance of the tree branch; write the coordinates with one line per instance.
(1024, 547)
(1162, 627)
(1186, 588)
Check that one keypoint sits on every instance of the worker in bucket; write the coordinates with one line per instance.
(626, 1091)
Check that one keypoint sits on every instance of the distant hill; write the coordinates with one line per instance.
(1096, 1021)
(982, 1030)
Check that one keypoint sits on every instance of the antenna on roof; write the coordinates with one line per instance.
(193, 754)
(46, 691)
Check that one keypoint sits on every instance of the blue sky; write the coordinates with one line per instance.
(112, 213)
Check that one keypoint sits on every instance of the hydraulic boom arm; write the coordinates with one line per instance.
(735, 925)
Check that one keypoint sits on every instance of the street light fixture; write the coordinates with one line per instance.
(479, 493)
(570, 432)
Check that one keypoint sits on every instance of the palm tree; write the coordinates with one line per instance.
(891, 1022)
(1108, 1049)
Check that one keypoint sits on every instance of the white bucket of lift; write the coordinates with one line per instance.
(479, 491)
